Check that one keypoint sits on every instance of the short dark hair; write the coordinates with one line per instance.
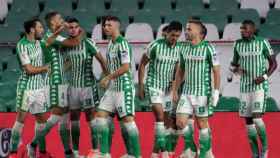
(71, 19)
(203, 29)
(174, 26)
(112, 18)
(249, 22)
(165, 28)
(49, 17)
(30, 23)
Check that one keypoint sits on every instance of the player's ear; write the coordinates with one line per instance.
(32, 30)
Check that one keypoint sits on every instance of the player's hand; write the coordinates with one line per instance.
(59, 30)
(104, 83)
(175, 96)
(215, 97)
(259, 80)
(141, 91)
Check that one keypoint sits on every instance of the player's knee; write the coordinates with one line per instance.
(57, 111)
(158, 112)
(102, 114)
(40, 118)
(21, 116)
(75, 115)
(89, 114)
(127, 119)
(249, 120)
(257, 115)
(181, 123)
(203, 122)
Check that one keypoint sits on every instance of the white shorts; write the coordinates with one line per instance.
(157, 96)
(83, 98)
(121, 102)
(190, 104)
(251, 103)
(58, 95)
(33, 101)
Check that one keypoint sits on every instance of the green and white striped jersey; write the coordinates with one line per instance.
(81, 56)
(163, 59)
(54, 56)
(197, 62)
(252, 56)
(119, 52)
(30, 52)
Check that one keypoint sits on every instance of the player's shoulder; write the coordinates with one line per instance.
(120, 39)
(261, 39)
(156, 42)
(22, 42)
(89, 40)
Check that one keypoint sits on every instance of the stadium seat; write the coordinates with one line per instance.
(87, 20)
(262, 6)
(275, 83)
(181, 16)
(9, 34)
(10, 76)
(26, 6)
(156, 6)
(223, 5)
(159, 32)
(5, 52)
(97, 33)
(139, 32)
(273, 17)
(119, 5)
(7, 96)
(232, 32)
(212, 32)
(96, 68)
(152, 18)
(266, 31)
(185, 5)
(245, 14)
(91, 5)
(3, 9)
(62, 6)
(277, 4)
(12, 62)
(214, 17)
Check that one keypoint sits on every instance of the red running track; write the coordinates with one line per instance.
(229, 135)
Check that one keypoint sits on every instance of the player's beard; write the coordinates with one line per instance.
(38, 36)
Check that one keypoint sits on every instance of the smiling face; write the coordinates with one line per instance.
(247, 31)
(38, 30)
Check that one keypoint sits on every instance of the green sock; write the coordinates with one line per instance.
(53, 119)
(168, 140)
(188, 138)
(42, 143)
(94, 134)
(111, 131)
(204, 141)
(133, 137)
(191, 139)
(16, 136)
(125, 139)
(75, 134)
(159, 144)
(253, 139)
(103, 135)
(261, 132)
(65, 134)
(174, 139)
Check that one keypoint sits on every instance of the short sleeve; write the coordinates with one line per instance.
(235, 58)
(267, 49)
(125, 52)
(149, 50)
(213, 55)
(91, 46)
(23, 54)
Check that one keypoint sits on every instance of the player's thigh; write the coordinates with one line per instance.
(38, 102)
(156, 96)
(245, 106)
(107, 102)
(74, 98)
(21, 115)
(201, 106)
(184, 106)
(59, 96)
(258, 102)
(125, 102)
